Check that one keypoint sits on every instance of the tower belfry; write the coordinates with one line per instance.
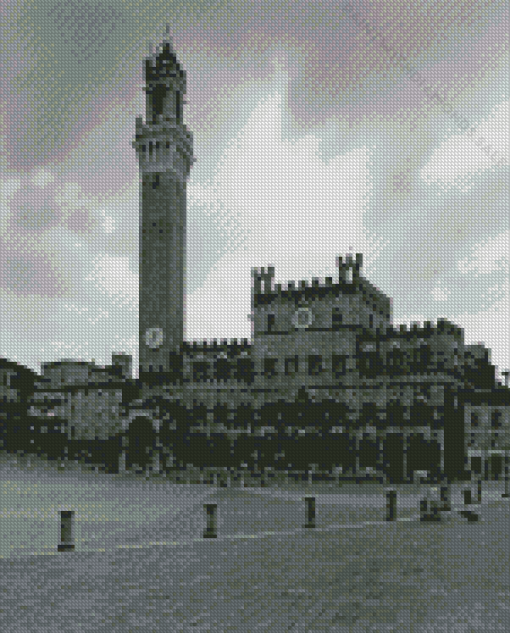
(164, 148)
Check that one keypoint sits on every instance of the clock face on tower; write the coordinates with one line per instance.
(302, 318)
(154, 337)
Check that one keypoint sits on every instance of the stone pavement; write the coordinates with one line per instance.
(404, 576)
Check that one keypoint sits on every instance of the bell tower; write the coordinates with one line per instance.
(164, 149)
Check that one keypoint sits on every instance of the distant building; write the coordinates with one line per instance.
(16, 387)
(487, 430)
(88, 397)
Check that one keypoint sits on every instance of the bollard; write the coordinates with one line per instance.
(479, 490)
(210, 530)
(429, 508)
(310, 512)
(391, 505)
(423, 509)
(66, 531)
(506, 494)
(467, 496)
(445, 493)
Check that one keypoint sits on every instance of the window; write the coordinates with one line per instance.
(270, 322)
(175, 366)
(395, 362)
(222, 369)
(244, 370)
(314, 365)
(371, 320)
(496, 419)
(155, 182)
(200, 371)
(291, 365)
(421, 359)
(338, 365)
(336, 318)
(475, 420)
(269, 367)
(368, 363)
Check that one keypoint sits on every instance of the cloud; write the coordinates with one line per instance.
(488, 257)
(440, 294)
(113, 277)
(461, 156)
(42, 177)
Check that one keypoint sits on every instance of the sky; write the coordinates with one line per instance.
(320, 128)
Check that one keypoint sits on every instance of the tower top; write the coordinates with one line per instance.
(162, 63)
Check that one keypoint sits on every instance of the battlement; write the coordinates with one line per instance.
(443, 326)
(349, 273)
(216, 345)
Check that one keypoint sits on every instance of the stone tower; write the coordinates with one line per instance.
(165, 154)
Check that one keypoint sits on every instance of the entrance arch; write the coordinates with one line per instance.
(141, 442)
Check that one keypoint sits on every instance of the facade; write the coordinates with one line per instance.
(16, 386)
(326, 379)
(80, 405)
(487, 431)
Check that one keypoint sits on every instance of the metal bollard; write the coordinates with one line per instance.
(310, 512)
(467, 496)
(479, 490)
(391, 505)
(424, 508)
(210, 530)
(66, 531)
(429, 508)
(445, 493)
(506, 494)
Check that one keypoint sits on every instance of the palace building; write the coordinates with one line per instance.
(327, 379)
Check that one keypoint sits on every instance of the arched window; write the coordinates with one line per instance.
(336, 318)
(421, 358)
(395, 361)
(200, 371)
(395, 414)
(220, 414)
(421, 414)
(368, 414)
(222, 369)
(245, 369)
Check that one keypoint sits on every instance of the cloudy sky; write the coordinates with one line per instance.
(319, 128)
